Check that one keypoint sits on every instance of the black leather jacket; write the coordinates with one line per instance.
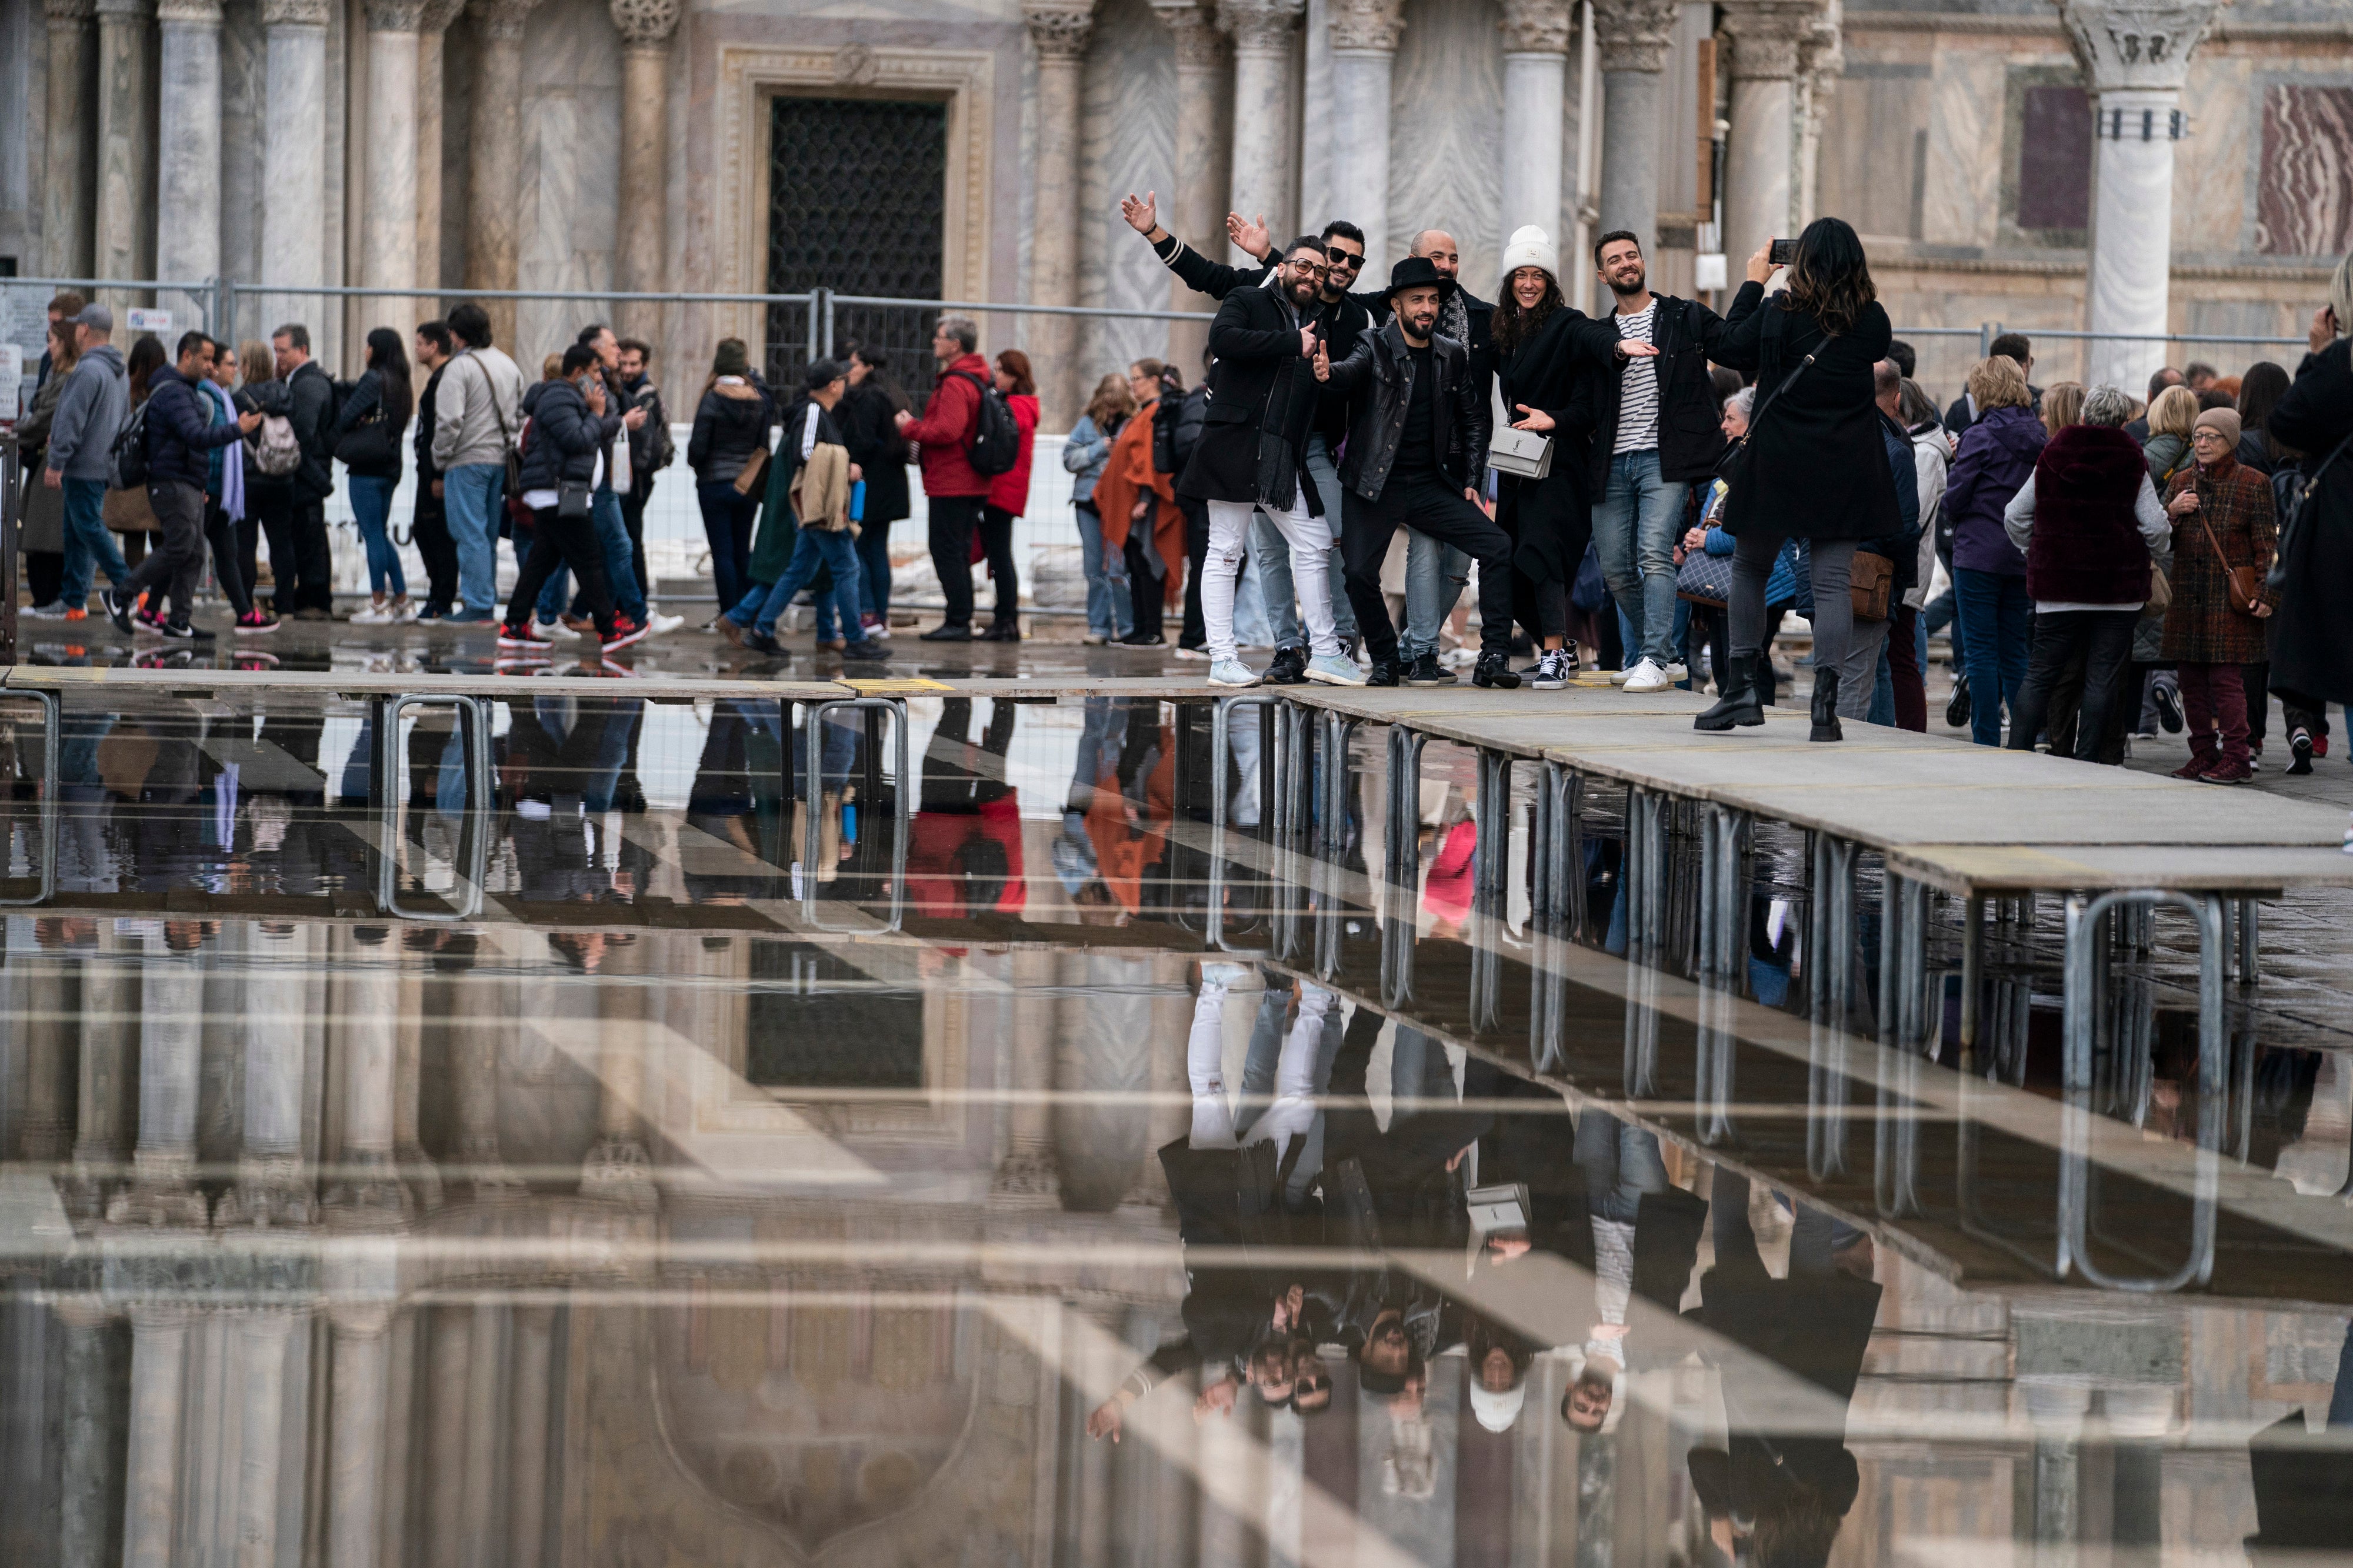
(1378, 378)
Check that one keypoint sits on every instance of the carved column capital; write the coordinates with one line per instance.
(69, 14)
(437, 15)
(395, 16)
(1059, 27)
(501, 21)
(2137, 45)
(1198, 45)
(189, 13)
(1535, 27)
(1767, 35)
(1634, 35)
(294, 12)
(1261, 26)
(1371, 24)
(645, 24)
(126, 10)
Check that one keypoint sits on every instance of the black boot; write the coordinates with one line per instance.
(1741, 703)
(1826, 720)
(1494, 669)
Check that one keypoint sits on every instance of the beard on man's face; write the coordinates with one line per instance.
(1305, 291)
(1628, 283)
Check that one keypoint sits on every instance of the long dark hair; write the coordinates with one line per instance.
(2259, 391)
(146, 359)
(1830, 280)
(1514, 327)
(389, 360)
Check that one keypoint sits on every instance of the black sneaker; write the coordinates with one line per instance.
(118, 609)
(865, 648)
(1384, 672)
(1289, 668)
(2299, 741)
(1494, 669)
(1140, 639)
(1425, 671)
(1956, 710)
(181, 631)
(1551, 672)
(948, 631)
(1001, 631)
(2168, 710)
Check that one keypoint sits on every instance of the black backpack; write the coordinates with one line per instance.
(995, 445)
(126, 464)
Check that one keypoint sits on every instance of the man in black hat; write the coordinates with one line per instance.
(1417, 454)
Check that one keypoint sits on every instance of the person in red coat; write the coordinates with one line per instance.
(1009, 497)
(957, 495)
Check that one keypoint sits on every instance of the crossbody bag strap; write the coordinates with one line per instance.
(490, 391)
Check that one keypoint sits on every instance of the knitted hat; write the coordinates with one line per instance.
(1531, 246)
(1496, 1412)
(733, 358)
(2226, 420)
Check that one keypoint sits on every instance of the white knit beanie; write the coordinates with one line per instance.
(1531, 246)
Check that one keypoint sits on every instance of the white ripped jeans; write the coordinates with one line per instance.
(1310, 539)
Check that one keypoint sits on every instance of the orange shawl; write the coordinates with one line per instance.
(1127, 474)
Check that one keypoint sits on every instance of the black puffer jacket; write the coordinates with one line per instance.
(1378, 380)
(730, 425)
(180, 432)
(564, 436)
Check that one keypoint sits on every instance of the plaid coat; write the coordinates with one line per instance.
(2202, 627)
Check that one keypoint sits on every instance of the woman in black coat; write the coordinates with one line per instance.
(1550, 519)
(867, 419)
(1815, 465)
(2311, 634)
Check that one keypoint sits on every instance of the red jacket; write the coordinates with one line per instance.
(1009, 491)
(947, 429)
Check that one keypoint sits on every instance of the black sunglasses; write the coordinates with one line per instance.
(1348, 259)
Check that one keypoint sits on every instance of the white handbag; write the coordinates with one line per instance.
(1524, 454)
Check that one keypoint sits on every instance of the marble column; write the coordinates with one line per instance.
(1535, 92)
(163, 1165)
(619, 1168)
(1634, 38)
(645, 26)
(2136, 55)
(294, 157)
(124, 242)
(432, 33)
(388, 214)
(1760, 154)
(189, 142)
(90, 1510)
(487, 1485)
(449, 1354)
(1196, 209)
(1059, 28)
(494, 158)
(272, 1188)
(68, 171)
(364, 1033)
(1821, 61)
(150, 1503)
(52, 1035)
(261, 1461)
(355, 1455)
(534, 1368)
(479, 1024)
(109, 1028)
(418, 1170)
(1265, 157)
(1364, 47)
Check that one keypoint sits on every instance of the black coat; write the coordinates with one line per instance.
(1263, 396)
(564, 436)
(1816, 1329)
(864, 416)
(1687, 335)
(2311, 632)
(181, 434)
(1378, 379)
(1346, 319)
(1818, 468)
(1551, 520)
(311, 409)
(352, 409)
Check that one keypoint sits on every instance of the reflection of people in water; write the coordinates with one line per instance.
(564, 759)
(1786, 1493)
(1122, 796)
(964, 855)
(1645, 1236)
(2304, 1480)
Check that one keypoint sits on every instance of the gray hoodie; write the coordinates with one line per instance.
(91, 411)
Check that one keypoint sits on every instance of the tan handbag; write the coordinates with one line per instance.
(2160, 592)
(1871, 581)
(2246, 583)
(756, 472)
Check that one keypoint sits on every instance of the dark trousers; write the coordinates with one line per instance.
(1431, 507)
(996, 541)
(430, 529)
(1904, 671)
(2259, 701)
(1147, 591)
(2215, 696)
(953, 520)
(874, 571)
(221, 534)
(307, 530)
(563, 542)
(633, 523)
(179, 553)
(727, 516)
(2103, 640)
(1196, 555)
(45, 576)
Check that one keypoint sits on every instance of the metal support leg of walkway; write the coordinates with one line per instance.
(1491, 860)
(1557, 828)
(1645, 871)
(45, 859)
(1829, 928)
(1722, 892)
(383, 794)
(907, 788)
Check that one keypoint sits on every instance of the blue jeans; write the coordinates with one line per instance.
(1997, 621)
(874, 573)
(372, 509)
(1106, 573)
(812, 547)
(86, 542)
(1434, 576)
(1620, 1163)
(470, 496)
(1270, 555)
(727, 517)
(1634, 529)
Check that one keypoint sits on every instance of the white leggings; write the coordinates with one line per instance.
(1310, 539)
(1292, 1108)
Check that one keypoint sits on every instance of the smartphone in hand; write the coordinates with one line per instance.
(1784, 252)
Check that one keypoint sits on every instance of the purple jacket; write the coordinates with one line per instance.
(1997, 456)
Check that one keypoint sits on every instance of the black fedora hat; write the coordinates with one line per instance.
(1418, 272)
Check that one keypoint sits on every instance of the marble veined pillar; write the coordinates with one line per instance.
(1058, 29)
(261, 1460)
(68, 171)
(366, 1027)
(493, 158)
(1634, 37)
(432, 33)
(125, 235)
(2136, 54)
(89, 1503)
(163, 1165)
(272, 1187)
(159, 1350)
(188, 144)
(1761, 155)
(388, 214)
(1196, 209)
(356, 1456)
(645, 26)
(1535, 91)
(1265, 155)
(109, 1028)
(294, 157)
(1364, 49)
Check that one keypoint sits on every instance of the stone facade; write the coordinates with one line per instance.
(595, 146)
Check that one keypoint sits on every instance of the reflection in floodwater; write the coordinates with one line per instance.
(1114, 1187)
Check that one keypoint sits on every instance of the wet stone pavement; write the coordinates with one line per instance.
(1068, 1182)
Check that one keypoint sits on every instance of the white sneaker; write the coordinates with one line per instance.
(555, 630)
(657, 623)
(1677, 671)
(402, 611)
(1646, 676)
(1191, 655)
(1232, 672)
(373, 615)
